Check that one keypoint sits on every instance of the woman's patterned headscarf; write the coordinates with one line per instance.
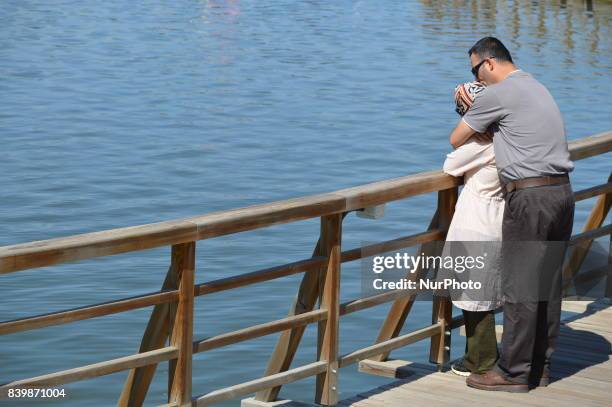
(465, 95)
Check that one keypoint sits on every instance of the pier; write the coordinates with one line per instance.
(582, 373)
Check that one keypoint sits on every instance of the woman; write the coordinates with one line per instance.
(478, 217)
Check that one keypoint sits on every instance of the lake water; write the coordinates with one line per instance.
(122, 113)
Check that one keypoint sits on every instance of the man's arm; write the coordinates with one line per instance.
(486, 110)
(461, 134)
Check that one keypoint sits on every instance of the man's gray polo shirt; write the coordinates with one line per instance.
(528, 131)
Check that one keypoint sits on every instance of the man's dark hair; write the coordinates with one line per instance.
(488, 47)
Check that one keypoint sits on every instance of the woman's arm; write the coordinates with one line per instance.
(472, 154)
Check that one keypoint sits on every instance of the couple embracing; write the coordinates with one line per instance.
(510, 146)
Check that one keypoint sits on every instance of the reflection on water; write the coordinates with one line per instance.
(564, 24)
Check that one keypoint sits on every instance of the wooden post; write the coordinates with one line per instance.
(182, 330)
(579, 251)
(439, 351)
(289, 340)
(155, 336)
(401, 308)
(329, 299)
(608, 293)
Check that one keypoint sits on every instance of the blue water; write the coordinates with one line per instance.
(122, 113)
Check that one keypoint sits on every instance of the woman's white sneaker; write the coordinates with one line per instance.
(459, 368)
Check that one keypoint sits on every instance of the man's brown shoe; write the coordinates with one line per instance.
(493, 381)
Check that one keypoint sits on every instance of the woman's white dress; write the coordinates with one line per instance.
(480, 207)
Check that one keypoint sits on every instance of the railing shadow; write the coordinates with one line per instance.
(579, 348)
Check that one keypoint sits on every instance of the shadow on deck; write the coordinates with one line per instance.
(581, 374)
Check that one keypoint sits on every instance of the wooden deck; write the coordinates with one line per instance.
(581, 370)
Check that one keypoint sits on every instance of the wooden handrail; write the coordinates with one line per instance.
(89, 245)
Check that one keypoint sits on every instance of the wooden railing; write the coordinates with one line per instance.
(171, 321)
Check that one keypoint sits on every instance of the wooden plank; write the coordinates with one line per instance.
(257, 331)
(577, 381)
(251, 402)
(574, 368)
(389, 245)
(242, 280)
(590, 235)
(450, 390)
(575, 306)
(591, 338)
(607, 332)
(329, 299)
(595, 352)
(583, 358)
(393, 368)
(274, 380)
(87, 312)
(182, 331)
(93, 370)
(364, 303)
(600, 319)
(578, 341)
(593, 191)
(565, 389)
(388, 345)
(433, 391)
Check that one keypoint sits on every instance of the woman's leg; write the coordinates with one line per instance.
(481, 343)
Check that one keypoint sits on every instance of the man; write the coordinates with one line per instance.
(533, 165)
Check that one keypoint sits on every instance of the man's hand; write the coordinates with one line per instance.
(483, 137)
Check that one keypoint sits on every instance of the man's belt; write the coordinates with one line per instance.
(536, 182)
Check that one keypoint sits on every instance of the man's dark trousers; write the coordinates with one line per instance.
(536, 226)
